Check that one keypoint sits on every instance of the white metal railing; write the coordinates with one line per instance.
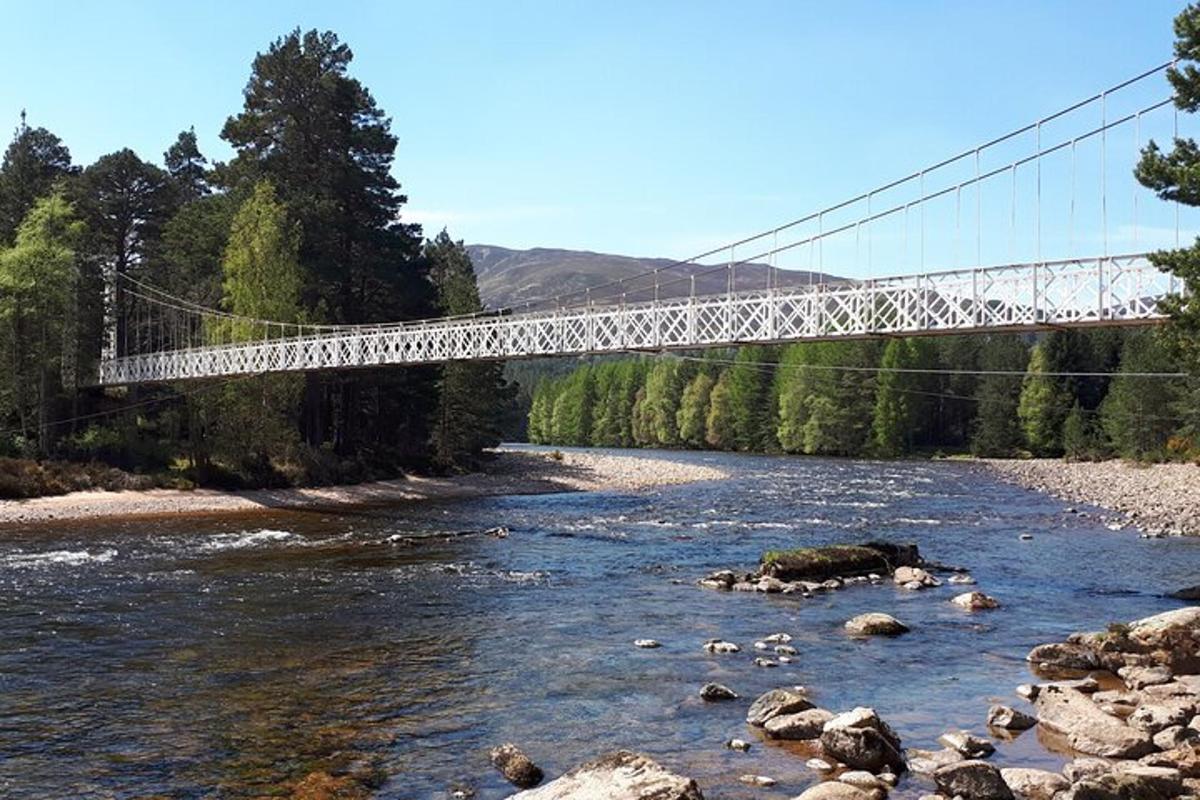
(1110, 290)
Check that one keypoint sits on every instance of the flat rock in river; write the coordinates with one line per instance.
(622, 775)
(876, 624)
(1087, 728)
(775, 702)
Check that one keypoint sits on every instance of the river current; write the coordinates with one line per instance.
(231, 656)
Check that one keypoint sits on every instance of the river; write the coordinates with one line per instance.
(226, 656)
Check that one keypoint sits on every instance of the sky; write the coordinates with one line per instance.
(643, 128)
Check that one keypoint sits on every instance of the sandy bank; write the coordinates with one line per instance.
(513, 472)
(1160, 499)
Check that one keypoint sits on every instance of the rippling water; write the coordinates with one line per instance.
(228, 657)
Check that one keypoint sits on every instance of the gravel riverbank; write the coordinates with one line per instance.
(1160, 499)
(512, 472)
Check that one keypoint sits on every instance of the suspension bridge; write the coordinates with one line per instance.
(1041, 228)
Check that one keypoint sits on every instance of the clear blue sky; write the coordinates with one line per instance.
(646, 128)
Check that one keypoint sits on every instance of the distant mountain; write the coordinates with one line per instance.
(510, 278)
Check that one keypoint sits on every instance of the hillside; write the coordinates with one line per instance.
(512, 277)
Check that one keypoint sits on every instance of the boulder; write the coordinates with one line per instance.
(876, 624)
(757, 780)
(864, 780)
(1009, 719)
(807, 724)
(1175, 736)
(1190, 593)
(898, 555)
(1160, 715)
(975, 601)
(515, 766)
(861, 740)
(713, 692)
(1129, 783)
(719, 646)
(927, 762)
(822, 563)
(1034, 784)
(1064, 655)
(622, 775)
(972, 780)
(648, 644)
(1186, 759)
(836, 790)
(776, 702)
(1171, 639)
(907, 575)
(1088, 729)
(967, 745)
(1141, 677)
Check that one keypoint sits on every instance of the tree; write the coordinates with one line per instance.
(319, 135)
(693, 410)
(997, 431)
(660, 405)
(37, 284)
(749, 396)
(891, 429)
(256, 423)
(471, 395)
(572, 414)
(719, 432)
(33, 163)
(1081, 441)
(1043, 405)
(187, 166)
(795, 385)
(1138, 413)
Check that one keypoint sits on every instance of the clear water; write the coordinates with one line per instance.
(228, 657)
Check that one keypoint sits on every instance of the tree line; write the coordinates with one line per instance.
(1085, 394)
(302, 224)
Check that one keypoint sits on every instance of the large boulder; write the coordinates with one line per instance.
(972, 780)
(1064, 655)
(861, 740)
(1171, 638)
(617, 776)
(1129, 783)
(776, 702)
(1034, 784)
(808, 724)
(1087, 728)
(823, 563)
(876, 624)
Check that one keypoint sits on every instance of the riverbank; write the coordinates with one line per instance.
(512, 472)
(1160, 499)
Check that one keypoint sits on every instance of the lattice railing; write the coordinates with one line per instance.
(1024, 297)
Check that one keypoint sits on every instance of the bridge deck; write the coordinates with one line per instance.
(1112, 290)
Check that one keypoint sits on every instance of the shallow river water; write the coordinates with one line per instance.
(227, 657)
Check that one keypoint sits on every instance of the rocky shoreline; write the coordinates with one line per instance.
(1122, 704)
(1159, 499)
(511, 472)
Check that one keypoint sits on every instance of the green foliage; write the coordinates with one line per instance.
(693, 410)
(1138, 413)
(471, 396)
(35, 161)
(718, 424)
(571, 416)
(904, 405)
(1043, 405)
(37, 291)
(997, 430)
(749, 396)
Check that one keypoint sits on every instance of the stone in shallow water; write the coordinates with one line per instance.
(836, 790)
(876, 624)
(966, 744)
(975, 601)
(740, 745)
(515, 766)
(776, 702)
(808, 724)
(757, 780)
(1087, 728)
(1009, 719)
(617, 776)
(777, 638)
(716, 691)
(648, 644)
(1034, 784)
(861, 740)
(719, 646)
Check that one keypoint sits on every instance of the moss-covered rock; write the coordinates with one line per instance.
(822, 563)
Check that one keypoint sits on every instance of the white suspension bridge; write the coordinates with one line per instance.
(1046, 202)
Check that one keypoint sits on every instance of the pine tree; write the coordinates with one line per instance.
(318, 134)
(34, 162)
(997, 431)
(749, 380)
(187, 167)
(664, 385)
(1138, 413)
(471, 396)
(891, 430)
(795, 384)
